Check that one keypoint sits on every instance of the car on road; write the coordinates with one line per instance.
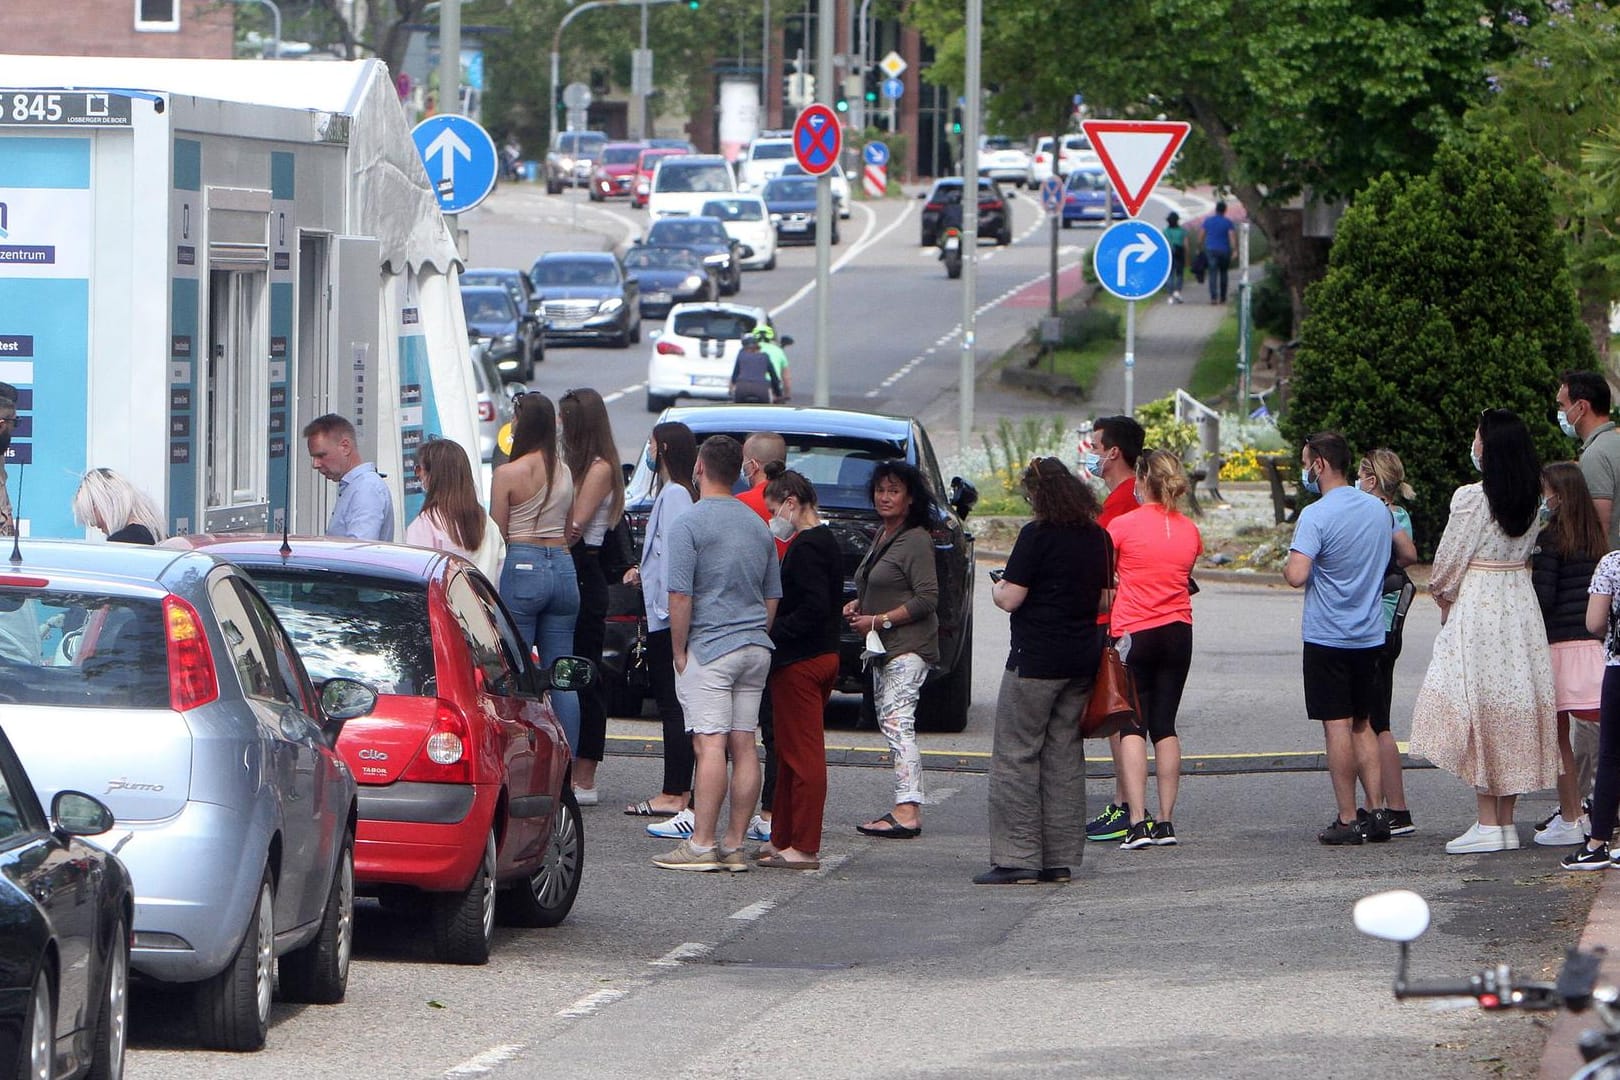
(836, 450)
(64, 957)
(666, 276)
(1076, 151)
(764, 160)
(572, 159)
(695, 350)
(681, 185)
(494, 400)
(1003, 159)
(1087, 197)
(586, 296)
(707, 238)
(995, 217)
(748, 222)
(646, 165)
(791, 201)
(463, 769)
(840, 186)
(509, 334)
(615, 170)
(162, 681)
(512, 280)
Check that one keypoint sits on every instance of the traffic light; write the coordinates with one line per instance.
(842, 104)
(693, 5)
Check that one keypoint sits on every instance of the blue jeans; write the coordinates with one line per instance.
(1219, 263)
(541, 590)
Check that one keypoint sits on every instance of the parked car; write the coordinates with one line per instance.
(708, 239)
(615, 170)
(646, 165)
(512, 280)
(791, 201)
(572, 158)
(748, 222)
(995, 217)
(1003, 159)
(463, 768)
(840, 186)
(163, 680)
(694, 352)
(764, 160)
(585, 296)
(666, 276)
(1087, 197)
(64, 958)
(494, 399)
(1076, 151)
(681, 185)
(837, 450)
(507, 333)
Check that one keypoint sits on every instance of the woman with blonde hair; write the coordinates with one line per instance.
(1382, 475)
(452, 518)
(1155, 547)
(107, 500)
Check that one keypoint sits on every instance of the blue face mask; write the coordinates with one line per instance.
(652, 463)
(1544, 513)
(1093, 463)
(1310, 483)
(1565, 426)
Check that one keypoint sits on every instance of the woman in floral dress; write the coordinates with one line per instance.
(1487, 711)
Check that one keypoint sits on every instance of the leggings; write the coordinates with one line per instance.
(1159, 660)
(1606, 787)
(589, 633)
(679, 760)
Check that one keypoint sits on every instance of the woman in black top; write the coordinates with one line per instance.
(1054, 588)
(804, 665)
(108, 501)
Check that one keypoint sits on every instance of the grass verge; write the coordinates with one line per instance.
(1214, 378)
(1085, 363)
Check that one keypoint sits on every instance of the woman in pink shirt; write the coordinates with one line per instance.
(1155, 548)
(452, 518)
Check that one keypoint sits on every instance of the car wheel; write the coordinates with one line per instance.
(233, 1007)
(835, 235)
(107, 1052)
(1004, 237)
(552, 187)
(944, 702)
(635, 333)
(545, 897)
(464, 922)
(38, 1059)
(657, 403)
(770, 264)
(318, 973)
(1067, 223)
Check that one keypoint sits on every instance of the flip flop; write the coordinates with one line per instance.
(896, 831)
(779, 863)
(645, 809)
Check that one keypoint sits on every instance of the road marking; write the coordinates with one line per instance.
(939, 795)
(591, 1004)
(608, 399)
(754, 911)
(690, 950)
(832, 862)
(485, 1063)
(860, 247)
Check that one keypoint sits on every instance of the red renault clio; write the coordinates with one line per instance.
(462, 767)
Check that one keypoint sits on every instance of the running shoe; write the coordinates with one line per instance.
(1139, 835)
(1112, 824)
(1587, 859)
(678, 827)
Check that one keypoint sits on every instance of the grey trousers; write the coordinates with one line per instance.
(1038, 773)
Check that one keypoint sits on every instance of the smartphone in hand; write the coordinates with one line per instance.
(997, 574)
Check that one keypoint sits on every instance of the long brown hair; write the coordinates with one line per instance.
(1574, 528)
(676, 449)
(451, 496)
(534, 427)
(586, 436)
(1056, 495)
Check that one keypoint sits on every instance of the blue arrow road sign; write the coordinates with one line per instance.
(893, 89)
(1052, 194)
(876, 153)
(460, 159)
(1132, 259)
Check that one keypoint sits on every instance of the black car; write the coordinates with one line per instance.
(64, 957)
(836, 450)
(515, 282)
(707, 237)
(507, 332)
(995, 217)
(668, 276)
(586, 296)
(791, 201)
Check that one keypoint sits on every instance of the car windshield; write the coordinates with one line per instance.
(86, 650)
(620, 155)
(772, 151)
(660, 258)
(680, 178)
(582, 272)
(793, 190)
(734, 210)
(691, 231)
(648, 161)
(487, 306)
(999, 142)
(354, 626)
(1077, 142)
(729, 325)
(1087, 180)
(839, 466)
(582, 145)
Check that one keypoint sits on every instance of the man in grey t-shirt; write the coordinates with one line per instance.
(724, 582)
(1583, 413)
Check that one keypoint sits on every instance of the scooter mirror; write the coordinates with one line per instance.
(1398, 915)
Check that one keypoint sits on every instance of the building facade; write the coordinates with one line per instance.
(155, 28)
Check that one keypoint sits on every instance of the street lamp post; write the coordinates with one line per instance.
(556, 39)
(275, 19)
(971, 105)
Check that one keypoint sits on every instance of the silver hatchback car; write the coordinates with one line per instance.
(161, 681)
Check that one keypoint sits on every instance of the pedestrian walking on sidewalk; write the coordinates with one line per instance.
(1487, 711)
(1218, 230)
(1567, 552)
(1177, 237)
(1339, 552)
(1603, 620)
(1054, 587)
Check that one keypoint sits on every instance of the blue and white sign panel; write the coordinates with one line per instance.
(1052, 194)
(876, 153)
(460, 159)
(893, 89)
(1132, 259)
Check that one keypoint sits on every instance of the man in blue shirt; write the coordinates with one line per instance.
(1340, 551)
(365, 506)
(1218, 230)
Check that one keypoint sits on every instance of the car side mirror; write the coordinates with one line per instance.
(786, 340)
(964, 496)
(744, 251)
(632, 279)
(73, 813)
(345, 699)
(568, 673)
(922, 195)
(654, 335)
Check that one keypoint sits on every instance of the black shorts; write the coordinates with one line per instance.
(1341, 684)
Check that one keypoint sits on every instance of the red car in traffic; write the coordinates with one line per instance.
(462, 767)
(646, 162)
(615, 170)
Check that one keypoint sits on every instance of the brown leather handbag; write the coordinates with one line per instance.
(1113, 705)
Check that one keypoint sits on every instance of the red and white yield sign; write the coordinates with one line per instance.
(1135, 154)
(818, 138)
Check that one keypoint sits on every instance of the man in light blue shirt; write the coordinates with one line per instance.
(365, 506)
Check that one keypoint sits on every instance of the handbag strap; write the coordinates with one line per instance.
(1111, 584)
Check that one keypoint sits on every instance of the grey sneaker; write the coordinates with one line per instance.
(684, 858)
(735, 860)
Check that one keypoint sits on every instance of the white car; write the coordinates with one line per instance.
(1076, 152)
(1003, 160)
(749, 223)
(763, 161)
(694, 352)
(681, 185)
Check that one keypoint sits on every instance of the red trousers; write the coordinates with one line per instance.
(799, 694)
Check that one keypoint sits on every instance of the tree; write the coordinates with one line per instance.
(1446, 294)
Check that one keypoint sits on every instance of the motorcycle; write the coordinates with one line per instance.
(950, 249)
(1402, 916)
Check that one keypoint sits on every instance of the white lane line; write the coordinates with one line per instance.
(860, 247)
(608, 399)
(591, 1004)
(754, 911)
(690, 950)
(485, 1063)
(939, 795)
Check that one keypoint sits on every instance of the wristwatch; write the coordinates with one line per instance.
(888, 623)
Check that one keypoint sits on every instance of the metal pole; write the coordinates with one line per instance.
(275, 21)
(824, 208)
(765, 67)
(971, 105)
(639, 127)
(1130, 358)
(450, 81)
(1243, 312)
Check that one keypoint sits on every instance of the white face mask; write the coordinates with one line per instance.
(782, 528)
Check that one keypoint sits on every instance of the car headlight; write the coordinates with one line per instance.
(566, 162)
(776, 219)
(692, 282)
(610, 305)
(716, 260)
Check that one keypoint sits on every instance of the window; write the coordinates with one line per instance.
(13, 818)
(288, 672)
(725, 325)
(236, 383)
(489, 652)
(82, 649)
(773, 151)
(157, 16)
(734, 209)
(371, 629)
(251, 654)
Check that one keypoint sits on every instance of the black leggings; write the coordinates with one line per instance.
(589, 635)
(1384, 692)
(1159, 660)
(1606, 788)
(679, 759)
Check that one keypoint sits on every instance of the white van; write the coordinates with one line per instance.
(681, 185)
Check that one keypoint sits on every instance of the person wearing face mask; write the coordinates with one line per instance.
(1487, 711)
(1583, 413)
(8, 426)
(761, 451)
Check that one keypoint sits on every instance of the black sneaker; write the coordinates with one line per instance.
(1139, 835)
(1374, 826)
(1338, 833)
(1400, 823)
(1055, 875)
(1584, 858)
(1163, 834)
(1111, 824)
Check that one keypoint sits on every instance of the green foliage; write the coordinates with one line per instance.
(1015, 444)
(1270, 309)
(1446, 294)
(1163, 430)
(1214, 378)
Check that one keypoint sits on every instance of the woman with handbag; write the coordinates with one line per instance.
(1054, 588)
(1155, 549)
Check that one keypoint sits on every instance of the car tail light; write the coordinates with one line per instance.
(486, 411)
(934, 206)
(995, 205)
(446, 755)
(1040, 159)
(192, 682)
(669, 348)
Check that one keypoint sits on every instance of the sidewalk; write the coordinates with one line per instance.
(1169, 340)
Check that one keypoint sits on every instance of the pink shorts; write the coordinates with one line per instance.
(1577, 668)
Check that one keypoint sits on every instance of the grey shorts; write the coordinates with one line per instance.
(723, 695)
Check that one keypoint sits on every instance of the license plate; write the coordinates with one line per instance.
(565, 324)
(710, 380)
(795, 226)
(657, 298)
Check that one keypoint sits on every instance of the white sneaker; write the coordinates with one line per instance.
(1482, 838)
(1561, 833)
(678, 827)
(758, 829)
(586, 796)
(1510, 837)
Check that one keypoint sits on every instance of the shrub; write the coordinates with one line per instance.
(1164, 431)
